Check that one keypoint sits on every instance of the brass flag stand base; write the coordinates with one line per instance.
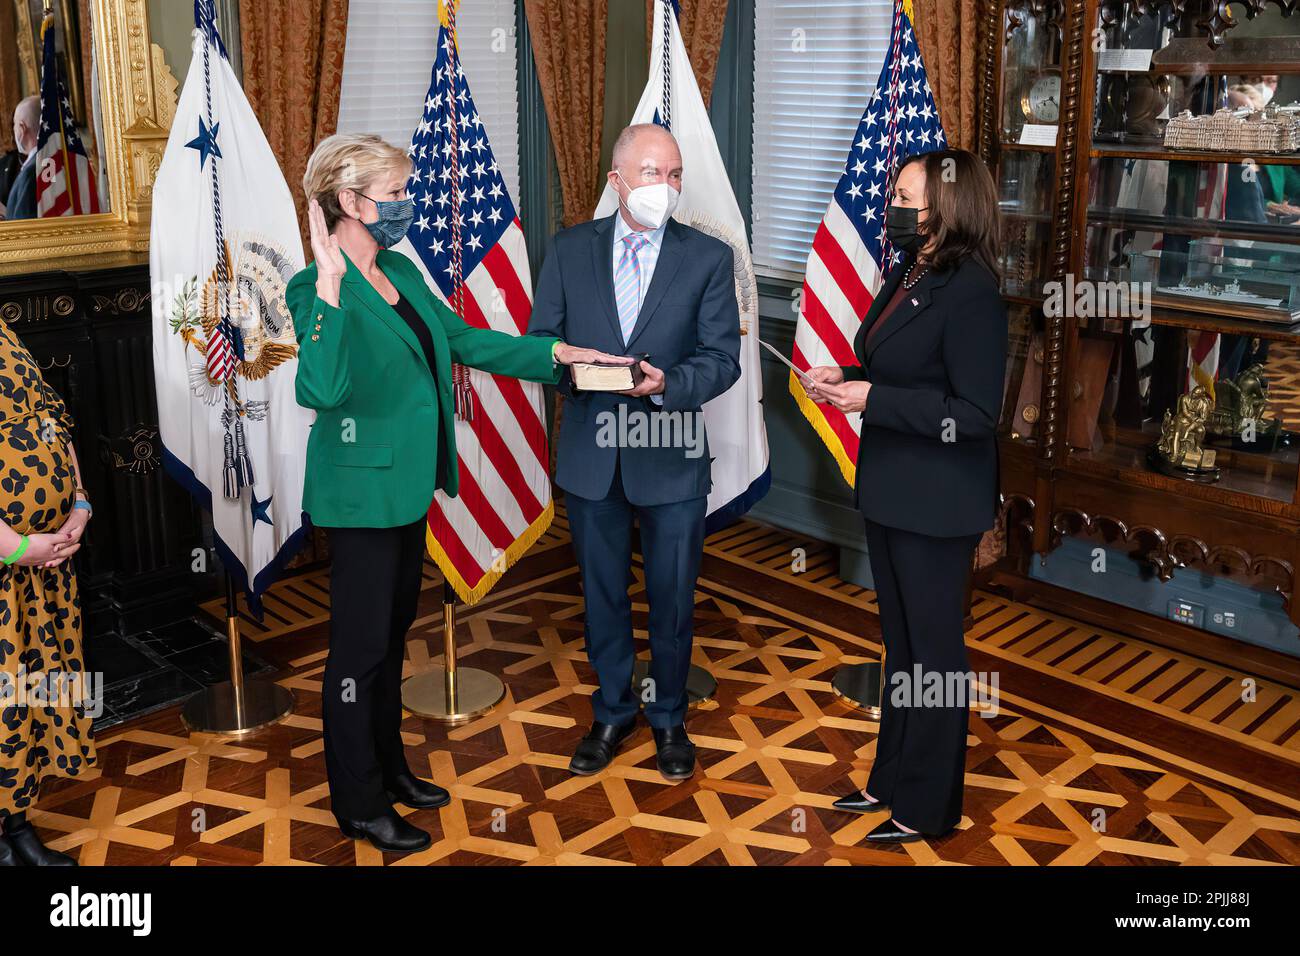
(452, 694)
(700, 684)
(861, 686)
(236, 707)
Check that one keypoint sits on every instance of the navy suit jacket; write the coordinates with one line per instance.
(22, 196)
(690, 326)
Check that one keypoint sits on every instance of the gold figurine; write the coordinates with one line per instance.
(1239, 407)
(1180, 452)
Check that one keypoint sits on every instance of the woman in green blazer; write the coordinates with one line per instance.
(376, 348)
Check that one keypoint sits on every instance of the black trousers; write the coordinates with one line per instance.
(920, 764)
(374, 590)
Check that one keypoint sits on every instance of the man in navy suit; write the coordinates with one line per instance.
(21, 200)
(640, 283)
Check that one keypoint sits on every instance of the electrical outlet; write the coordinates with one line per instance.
(1185, 612)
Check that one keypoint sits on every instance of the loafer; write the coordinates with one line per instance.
(855, 802)
(597, 749)
(387, 832)
(409, 790)
(29, 849)
(7, 855)
(676, 752)
(891, 832)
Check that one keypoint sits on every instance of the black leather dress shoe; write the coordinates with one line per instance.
(7, 855)
(891, 832)
(597, 749)
(29, 849)
(676, 752)
(855, 802)
(388, 832)
(409, 790)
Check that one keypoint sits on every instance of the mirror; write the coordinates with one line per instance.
(121, 97)
(52, 163)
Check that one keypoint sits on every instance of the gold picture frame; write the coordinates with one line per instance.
(137, 98)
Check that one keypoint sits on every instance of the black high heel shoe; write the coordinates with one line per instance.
(891, 832)
(387, 832)
(7, 855)
(855, 802)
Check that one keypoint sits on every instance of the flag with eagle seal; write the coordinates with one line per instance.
(224, 245)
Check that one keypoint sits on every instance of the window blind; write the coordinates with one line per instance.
(389, 59)
(815, 64)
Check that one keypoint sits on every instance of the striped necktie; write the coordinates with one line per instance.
(627, 283)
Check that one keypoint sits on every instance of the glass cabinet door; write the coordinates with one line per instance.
(1026, 164)
(1188, 304)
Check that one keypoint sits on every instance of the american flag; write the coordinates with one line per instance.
(65, 182)
(849, 251)
(468, 239)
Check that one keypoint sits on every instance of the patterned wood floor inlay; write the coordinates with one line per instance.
(1100, 749)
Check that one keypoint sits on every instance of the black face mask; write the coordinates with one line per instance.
(902, 229)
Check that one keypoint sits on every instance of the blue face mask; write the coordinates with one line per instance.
(395, 219)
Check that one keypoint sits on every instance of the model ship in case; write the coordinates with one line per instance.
(1258, 280)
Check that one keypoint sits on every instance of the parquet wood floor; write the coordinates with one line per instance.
(1100, 750)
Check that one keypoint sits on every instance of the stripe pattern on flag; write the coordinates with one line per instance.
(466, 229)
(850, 252)
(65, 181)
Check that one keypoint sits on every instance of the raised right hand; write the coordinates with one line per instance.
(330, 264)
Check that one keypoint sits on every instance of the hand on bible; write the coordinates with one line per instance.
(652, 384)
(571, 354)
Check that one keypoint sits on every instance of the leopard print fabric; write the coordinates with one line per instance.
(43, 732)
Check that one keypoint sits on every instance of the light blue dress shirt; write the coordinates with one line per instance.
(648, 256)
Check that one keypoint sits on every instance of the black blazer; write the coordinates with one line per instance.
(928, 457)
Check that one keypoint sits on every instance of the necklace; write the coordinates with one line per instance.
(909, 281)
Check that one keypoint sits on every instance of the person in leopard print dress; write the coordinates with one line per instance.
(44, 723)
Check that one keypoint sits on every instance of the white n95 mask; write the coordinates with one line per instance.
(651, 206)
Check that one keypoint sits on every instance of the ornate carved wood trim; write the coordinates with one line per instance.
(1067, 148)
(1167, 552)
(990, 111)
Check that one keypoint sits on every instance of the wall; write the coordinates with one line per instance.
(171, 23)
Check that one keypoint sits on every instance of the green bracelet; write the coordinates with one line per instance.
(22, 549)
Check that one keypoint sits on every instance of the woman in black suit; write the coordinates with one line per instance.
(931, 356)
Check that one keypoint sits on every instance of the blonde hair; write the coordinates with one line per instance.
(348, 161)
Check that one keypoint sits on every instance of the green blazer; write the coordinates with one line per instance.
(384, 437)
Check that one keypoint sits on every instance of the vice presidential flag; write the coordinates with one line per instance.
(224, 245)
(467, 241)
(850, 252)
(734, 420)
(66, 184)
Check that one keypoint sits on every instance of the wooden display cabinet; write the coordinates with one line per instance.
(1133, 273)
